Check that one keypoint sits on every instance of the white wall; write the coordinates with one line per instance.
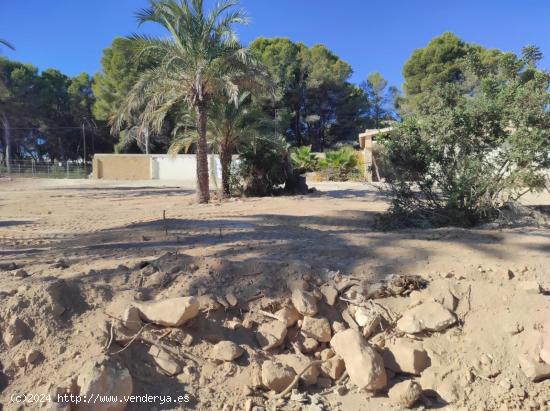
(183, 167)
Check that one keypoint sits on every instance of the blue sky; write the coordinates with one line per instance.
(370, 35)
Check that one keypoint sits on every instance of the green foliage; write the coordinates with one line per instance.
(471, 146)
(304, 160)
(42, 114)
(262, 167)
(340, 165)
(380, 99)
(314, 101)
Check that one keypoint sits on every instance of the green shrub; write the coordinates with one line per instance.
(340, 165)
(465, 153)
(304, 160)
(261, 169)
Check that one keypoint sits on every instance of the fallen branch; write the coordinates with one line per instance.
(131, 341)
(283, 393)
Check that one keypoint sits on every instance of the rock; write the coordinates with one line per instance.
(430, 316)
(276, 376)
(231, 300)
(405, 393)
(333, 368)
(304, 302)
(326, 354)
(106, 378)
(368, 319)
(8, 266)
(208, 303)
(172, 312)
(226, 351)
(338, 326)
(15, 332)
(532, 354)
(307, 344)
(60, 263)
(530, 287)
(288, 315)
(405, 355)
(131, 320)
(348, 318)
(330, 294)
(165, 361)
(317, 328)
(32, 355)
(271, 335)
(21, 274)
(508, 274)
(364, 365)
(298, 363)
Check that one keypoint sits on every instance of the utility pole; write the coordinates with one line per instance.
(84, 140)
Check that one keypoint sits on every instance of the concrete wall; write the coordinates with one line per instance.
(183, 167)
(122, 166)
(154, 167)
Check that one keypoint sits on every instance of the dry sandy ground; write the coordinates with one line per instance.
(98, 226)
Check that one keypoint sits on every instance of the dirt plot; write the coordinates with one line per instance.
(76, 255)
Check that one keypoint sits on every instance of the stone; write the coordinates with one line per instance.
(21, 274)
(288, 315)
(231, 300)
(368, 319)
(226, 351)
(276, 376)
(338, 326)
(15, 332)
(208, 303)
(406, 356)
(298, 363)
(326, 354)
(330, 294)
(405, 393)
(306, 344)
(271, 334)
(317, 328)
(430, 316)
(304, 302)
(534, 370)
(363, 364)
(530, 287)
(348, 318)
(333, 368)
(165, 361)
(104, 377)
(171, 312)
(131, 320)
(32, 355)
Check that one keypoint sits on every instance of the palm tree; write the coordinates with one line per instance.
(5, 43)
(229, 126)
(201, 59)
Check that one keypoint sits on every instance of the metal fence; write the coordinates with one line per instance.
(31, 168)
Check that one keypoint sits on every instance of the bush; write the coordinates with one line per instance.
(262, 168)
(465, 153)
(340, 165)
(304, 160)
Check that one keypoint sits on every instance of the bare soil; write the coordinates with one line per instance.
(104, 231)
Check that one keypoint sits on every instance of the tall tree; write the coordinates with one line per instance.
(314, 104)
(230, 126)
(380, 98)
(202, 58)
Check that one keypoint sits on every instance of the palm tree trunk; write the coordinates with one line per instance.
(7, 141)
(225, 160)
(203, 190)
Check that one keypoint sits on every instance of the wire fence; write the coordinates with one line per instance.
(35, 169)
